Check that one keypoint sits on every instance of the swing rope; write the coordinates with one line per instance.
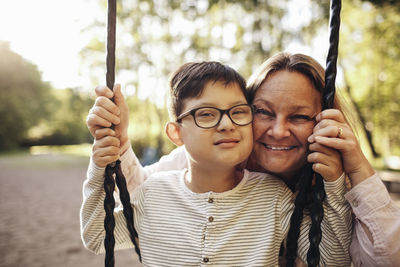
(328, 96)
(317, 191)
(113, 170)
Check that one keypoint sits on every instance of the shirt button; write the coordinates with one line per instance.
(355, 203)
(205, 259)
(210, 200)
(211, 219)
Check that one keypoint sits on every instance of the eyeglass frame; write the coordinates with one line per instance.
(222, 112)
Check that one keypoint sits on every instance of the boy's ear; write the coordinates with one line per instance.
(173, 131)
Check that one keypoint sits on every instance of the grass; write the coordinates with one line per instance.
(47, 157)
(77, 150)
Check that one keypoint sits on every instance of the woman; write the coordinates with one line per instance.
(289, 131)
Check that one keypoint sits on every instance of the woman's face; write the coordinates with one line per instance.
(286, 106)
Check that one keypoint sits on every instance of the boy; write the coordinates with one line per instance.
(209, 213)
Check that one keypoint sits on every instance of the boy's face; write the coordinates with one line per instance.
(224, 145)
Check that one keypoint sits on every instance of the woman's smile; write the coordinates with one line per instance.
(277, 147)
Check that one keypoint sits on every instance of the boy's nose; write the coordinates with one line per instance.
(225, 123)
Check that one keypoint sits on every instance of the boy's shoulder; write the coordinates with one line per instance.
(265, 187)
(265, 179)
(164, 178)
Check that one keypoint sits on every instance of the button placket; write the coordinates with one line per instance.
(208, 240)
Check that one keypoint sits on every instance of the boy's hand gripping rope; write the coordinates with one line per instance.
(317, 190)
(113, 170)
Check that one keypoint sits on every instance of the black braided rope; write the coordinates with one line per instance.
(317, 191)
(113, 170)
(328, 94)
(127, 208)
(317, 214)
(331, 60)
(297, 216)
(316, 209)
(109, 221)
(109, 184)
(111, 27)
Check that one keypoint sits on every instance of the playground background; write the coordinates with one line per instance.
(40, 197)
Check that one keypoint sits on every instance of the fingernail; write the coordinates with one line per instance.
(310, 139)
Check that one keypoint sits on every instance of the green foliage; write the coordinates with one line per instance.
(67, 122)
(155, 37)
(370, 52)
(146, 126)
(164, 34)
(24, 97)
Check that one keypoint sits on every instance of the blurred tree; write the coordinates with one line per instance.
(155, 37)
(66, 124)
(370, 52)
(24, 97)
(146, 127)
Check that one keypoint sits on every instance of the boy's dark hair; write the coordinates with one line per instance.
(190, 79)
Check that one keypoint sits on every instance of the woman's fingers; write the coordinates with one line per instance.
(331, 114)
(338, 134)
(326, 161)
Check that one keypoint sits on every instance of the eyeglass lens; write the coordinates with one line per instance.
(210, 117)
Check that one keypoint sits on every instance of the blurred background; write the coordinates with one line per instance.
(52, 55)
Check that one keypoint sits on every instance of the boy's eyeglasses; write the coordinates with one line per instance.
(209, 117)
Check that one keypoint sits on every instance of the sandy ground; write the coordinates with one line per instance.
(40, 197)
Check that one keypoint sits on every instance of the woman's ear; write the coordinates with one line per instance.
(173, 131)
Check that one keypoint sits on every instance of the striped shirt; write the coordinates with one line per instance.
(244, 226)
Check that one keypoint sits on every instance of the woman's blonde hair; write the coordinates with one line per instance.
(300, 63)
